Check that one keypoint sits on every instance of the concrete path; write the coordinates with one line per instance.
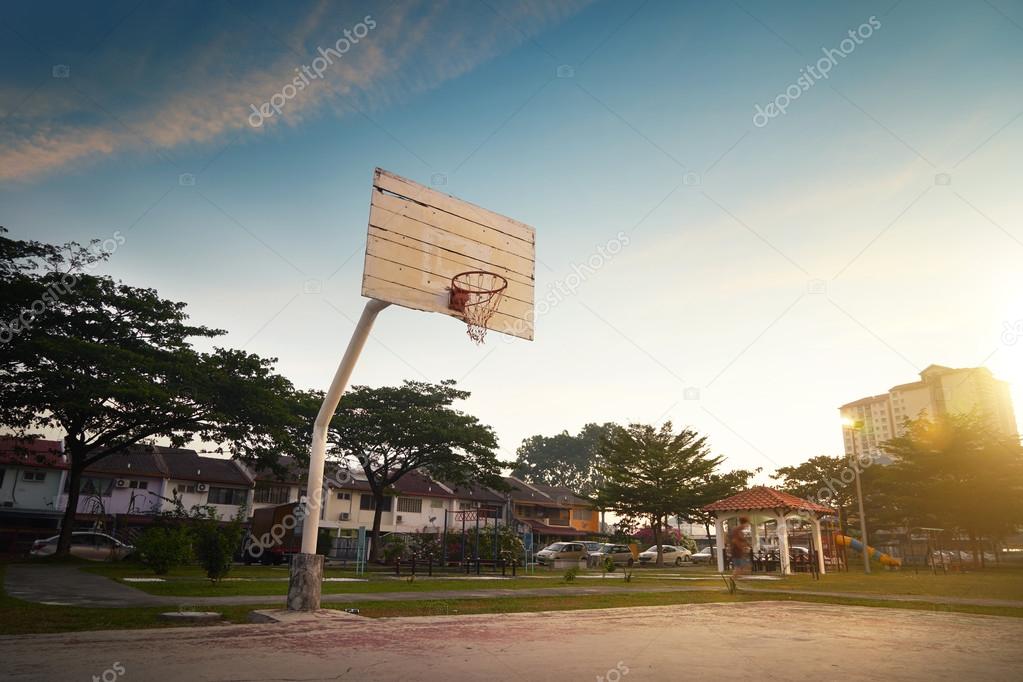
(67, 585)
(759, 640)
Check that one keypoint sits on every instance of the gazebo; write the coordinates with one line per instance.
(760, 504)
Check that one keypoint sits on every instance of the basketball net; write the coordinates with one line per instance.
(476, 295)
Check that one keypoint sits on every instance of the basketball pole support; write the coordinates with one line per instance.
(306, 582)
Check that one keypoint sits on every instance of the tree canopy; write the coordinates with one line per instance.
(112, 365)
(956, 473)
(653, 473)
(393, 430)
(562, 460)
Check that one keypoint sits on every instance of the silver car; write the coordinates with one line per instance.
(86, 545)
(561, 551)
(621, 555)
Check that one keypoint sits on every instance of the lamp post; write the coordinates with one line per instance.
(854, 427)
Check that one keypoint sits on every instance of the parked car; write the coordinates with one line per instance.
(669, 553)
(592, 546)
(86, 545)
(561, 551)
(621, 555)
(704, 556)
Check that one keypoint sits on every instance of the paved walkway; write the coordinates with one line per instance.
(756, 640)
(55, 584)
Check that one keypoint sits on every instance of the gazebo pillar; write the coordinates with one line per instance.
(719, 540)
(818, 543)
(755, 531)
(783, 544)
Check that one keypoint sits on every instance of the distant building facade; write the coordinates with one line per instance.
(941, 390)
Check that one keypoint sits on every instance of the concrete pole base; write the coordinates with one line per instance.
(306, 582)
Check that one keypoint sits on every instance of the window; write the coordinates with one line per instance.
(410, 505)
(583, 514)
(139, 485)
(34, 476)
(234, 496)
(182, 488)
(271, 494)
(344, 496)
(434, 504)
(366, 502)
(465, 505)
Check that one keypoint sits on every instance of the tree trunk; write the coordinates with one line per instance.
(378, 513)
(706, 528)
(71, 510)
(657, 541)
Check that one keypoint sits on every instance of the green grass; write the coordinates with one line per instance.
(18, 617)
(991, 583)
(189, 581)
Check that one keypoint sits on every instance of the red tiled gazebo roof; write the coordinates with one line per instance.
(762, 497)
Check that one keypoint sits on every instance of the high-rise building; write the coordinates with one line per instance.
(941, 390)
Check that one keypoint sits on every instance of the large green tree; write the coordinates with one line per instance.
(111, 365)
(393, 430)
(955, 472)
(563, 459)
(717, 487)
(653, 473)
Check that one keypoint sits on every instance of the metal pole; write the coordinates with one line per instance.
(306, 571)
(318, 451)
(859, 502)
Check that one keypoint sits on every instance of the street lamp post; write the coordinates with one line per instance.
(853, 428)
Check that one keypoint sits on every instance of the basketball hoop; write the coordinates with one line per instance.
(475, 295)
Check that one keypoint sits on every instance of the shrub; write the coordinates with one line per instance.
(215, 542)
(164, 547)
(570, 574)
(394, 549)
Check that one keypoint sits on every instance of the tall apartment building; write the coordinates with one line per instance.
(941, 390)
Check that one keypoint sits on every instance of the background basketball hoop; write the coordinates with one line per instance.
(476, 294)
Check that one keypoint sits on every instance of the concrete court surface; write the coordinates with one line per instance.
(757, 640)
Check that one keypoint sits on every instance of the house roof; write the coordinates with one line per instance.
(32, 452)
(762, 497)
(288, 470)
(543, 528)
(527, 492)
(139, 460)
(187, 465)
(562, 495)
(912, 384)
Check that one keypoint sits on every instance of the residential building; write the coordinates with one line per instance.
(547, 512)
(941, 390)
(32, 474)
(280, 485)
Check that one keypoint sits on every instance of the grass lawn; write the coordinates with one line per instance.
(190, 581)
(19, 617)
(991, 583)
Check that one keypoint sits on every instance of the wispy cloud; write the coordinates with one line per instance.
(159, 94)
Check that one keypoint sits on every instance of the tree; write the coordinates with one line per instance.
(955, 472)
(717, 487)
(654, 473)
(562, 460)
(820, 479)
(394, 430)
(111, 365)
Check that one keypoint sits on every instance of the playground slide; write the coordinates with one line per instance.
(885, 559)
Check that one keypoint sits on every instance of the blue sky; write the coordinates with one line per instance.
(779, 270)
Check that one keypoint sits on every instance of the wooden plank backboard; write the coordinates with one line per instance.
(420, 238)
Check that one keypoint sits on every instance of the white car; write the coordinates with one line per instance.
(704, 556)
(86, 545)
(669, 553)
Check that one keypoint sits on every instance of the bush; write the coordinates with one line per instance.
(394, 549)
(570, 574)
(214, 542)
(164, 547)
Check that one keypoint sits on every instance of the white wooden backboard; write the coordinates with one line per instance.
(420, 238)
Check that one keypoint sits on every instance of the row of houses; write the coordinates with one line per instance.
(127, 489)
